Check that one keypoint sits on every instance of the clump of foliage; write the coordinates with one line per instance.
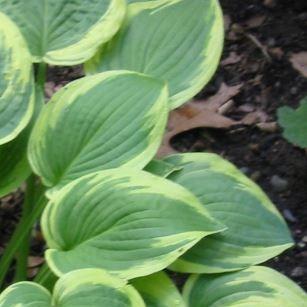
(112, 216)
(294, 123)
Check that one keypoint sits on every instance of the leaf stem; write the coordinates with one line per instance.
(45, 277)
(23, 251)
(21, 232)
(41, 75)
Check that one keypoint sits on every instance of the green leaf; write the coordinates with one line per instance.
(14, 166)
(158, 290)
(256, 231)
(65, 32)
(104, 121)
(294, 123)
(88, 287)
(25, 294)
(16, 81)
(179, 41)
(254, 287)
(161, 168)
(94, 288)
(128, 222)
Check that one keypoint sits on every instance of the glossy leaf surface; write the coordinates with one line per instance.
(178, 41)
(256, 231)
(65, 32)
(128, 222)
(254, 287)
(99, 122)
(16, 81)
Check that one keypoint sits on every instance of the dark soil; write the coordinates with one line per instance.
(262, 155)
(268, 83)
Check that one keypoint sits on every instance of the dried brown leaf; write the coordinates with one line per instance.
(34, 262)
(299, 62)
(233, 58)
(255, 21)
(255, 117)
(199, 115)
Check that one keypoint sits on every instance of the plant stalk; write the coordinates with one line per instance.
(45, 277)
(41, 75)
(21, 232)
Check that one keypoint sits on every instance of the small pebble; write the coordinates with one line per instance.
(298, 272)
(271, 42)
(289, 216)
(301, 244)
(294, 90)
(279, 184)
(245, 170)
(255, 176)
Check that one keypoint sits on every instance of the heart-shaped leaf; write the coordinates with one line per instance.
(294, 123)
(65, 32)
(104, 121)
(16, 81)
(128, 222)
(254, 287)
(256, 231)
(158, 290)
(179, 41)
(88, 287)
(14, 166)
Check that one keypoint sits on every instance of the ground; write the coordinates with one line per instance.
(261, 37)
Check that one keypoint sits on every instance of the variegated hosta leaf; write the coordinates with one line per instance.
(88, 287)
(256, 231)
(254, 287)
(108, 120)
(179, 41)
(158, 290)
(14, 166)
(128, 222)
(16, 81)
(65, 32)
(25, 294)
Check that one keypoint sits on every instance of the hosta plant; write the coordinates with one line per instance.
(113, 217)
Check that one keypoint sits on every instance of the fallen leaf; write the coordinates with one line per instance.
(35, 261)
(224, 94)
(255, 21)
(199, 115)
(277, 52)
(226, 107)
(233, 58)
(246, 108)
(299, 62)
(32, 272)
(268, 127)
(255, 117)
